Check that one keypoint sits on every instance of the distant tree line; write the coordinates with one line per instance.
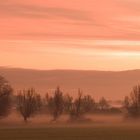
(28, 103)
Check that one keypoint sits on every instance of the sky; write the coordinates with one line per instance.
(70, 34)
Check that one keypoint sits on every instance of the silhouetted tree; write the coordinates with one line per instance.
(81, 106)
(88, 104)
(5, 97)
(103, 104)
(67, 103)
(132, 103)
(55, 104)
(76, 109)
(28, 103)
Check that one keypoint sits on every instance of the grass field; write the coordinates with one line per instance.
(106, 127)
(71, 133)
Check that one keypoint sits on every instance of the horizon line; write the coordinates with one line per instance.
(36, 69)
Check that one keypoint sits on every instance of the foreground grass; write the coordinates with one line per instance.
(71, 133)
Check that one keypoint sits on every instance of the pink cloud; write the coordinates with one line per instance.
(93, 19)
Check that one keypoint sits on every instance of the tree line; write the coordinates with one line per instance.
(28, 103)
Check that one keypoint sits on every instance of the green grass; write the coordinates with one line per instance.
(75, 133)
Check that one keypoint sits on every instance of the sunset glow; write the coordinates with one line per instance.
(72, 34)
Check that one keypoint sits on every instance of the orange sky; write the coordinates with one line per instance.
(70, 34)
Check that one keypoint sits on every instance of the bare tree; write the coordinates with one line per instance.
(5, 97)
(55, 103)
(67, 103)
(28, 103)
(81, 106)
(76, 109)
(132, 103)
(103, 104)
(88, 104)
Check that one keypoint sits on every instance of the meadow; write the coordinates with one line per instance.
(40, 127)
(72, 133)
